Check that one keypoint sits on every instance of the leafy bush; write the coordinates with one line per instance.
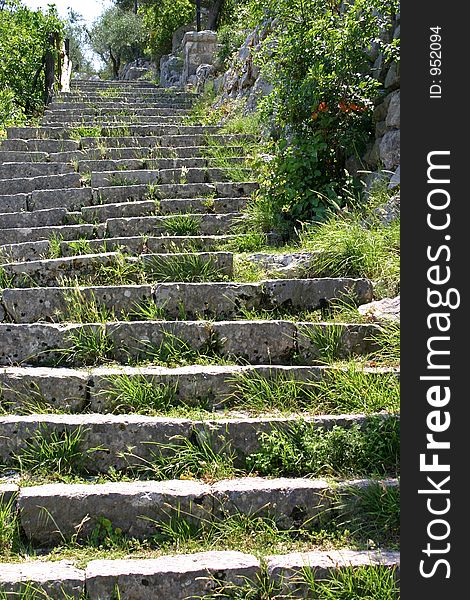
(321, 106)
(162, 19)
(24, 37)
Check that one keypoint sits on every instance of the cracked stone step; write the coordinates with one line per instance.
(105, 440)
(177, 577)
(254, 342)
(37, 218)
(56, 579)
(72, 199)
(195, 300)
(45, 182)
(51, 513)
(77, 390)
(24, 251)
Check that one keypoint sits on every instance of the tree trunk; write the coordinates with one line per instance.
(214, 14)
(116, 64)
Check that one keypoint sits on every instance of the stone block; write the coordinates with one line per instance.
(54, 580)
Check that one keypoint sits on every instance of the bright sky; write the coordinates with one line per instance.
(89, 9)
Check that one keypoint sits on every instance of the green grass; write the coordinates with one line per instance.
(82, 247)
(30, 591)
(191, 268)
(182, 225)
(138, 395)
(304, 449)
(326, 339)
(353, 583)
(8, 526)
(83, 307)
(122, 180)
(388, 342)
(337, 391)
(55, 249)
(49, 453)
(248, 124)
(347, 247)
(89, 346)
(76, 133)
(6, 281)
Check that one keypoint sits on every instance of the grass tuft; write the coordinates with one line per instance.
(139, 395)
(191, 268)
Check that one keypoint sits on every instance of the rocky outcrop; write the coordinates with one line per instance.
(136, 70)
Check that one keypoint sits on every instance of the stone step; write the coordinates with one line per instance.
(115, 120)
(43, 182)
(131, 164)
(104, 104)
(50, 514)
(208, 224)
(168, 207)
(105, 440)
(210, 387)
(194, 300)
(252, 342)
(7, 156)
(14, 203)
(188, 575)
(135, 246)
(46, 580)
(67, 232)
(39, 145)
(110, 130)
(15, 170)
(50, 272)
(108, 110)
(163, 141)
(173, 191)
(182, 175)
(72, 199)
(37, 218)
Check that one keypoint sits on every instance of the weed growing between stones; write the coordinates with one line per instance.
(76, 133)
(373, 583)
(182, 225)
(138, 395)
(371, 513)
(187, 268)
(122, 180)
(84, 308)
(327, 341)
(336, 391)
(306, 450)
(82, 246)
(6, 281)
(30, 591)
(9, 528)
(88, 346)
(388, 342)
(51, 453)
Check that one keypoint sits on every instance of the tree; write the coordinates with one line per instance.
(75, 32)
(117, 36)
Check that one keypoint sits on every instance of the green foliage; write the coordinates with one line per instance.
(139, 395)
(117, 36)
(189, 268)
(321, 105)
(162, 19)
(306, 450)
(24, 37)
(354, 583)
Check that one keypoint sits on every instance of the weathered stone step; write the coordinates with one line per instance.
(161, 176)
(35, 234)
(135, 246)
(115, 120)
(13, 203)
(38, 218)
(253, 342)
(43, 182)
(15, 170)
(110, 130)
(72, 199)
(60, 113)
(22, 156)
(163, 141)
(188, 575)
(195, 300)
(51, 513)
(173, 191)
(168, 207)
(91, 389)
(124, 103)
(39, 145)
(46, 580)
(131, 164)
(104, 440)
(174, 152)
(208, 224)
(49, 272)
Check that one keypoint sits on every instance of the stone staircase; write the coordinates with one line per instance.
(118, 269)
